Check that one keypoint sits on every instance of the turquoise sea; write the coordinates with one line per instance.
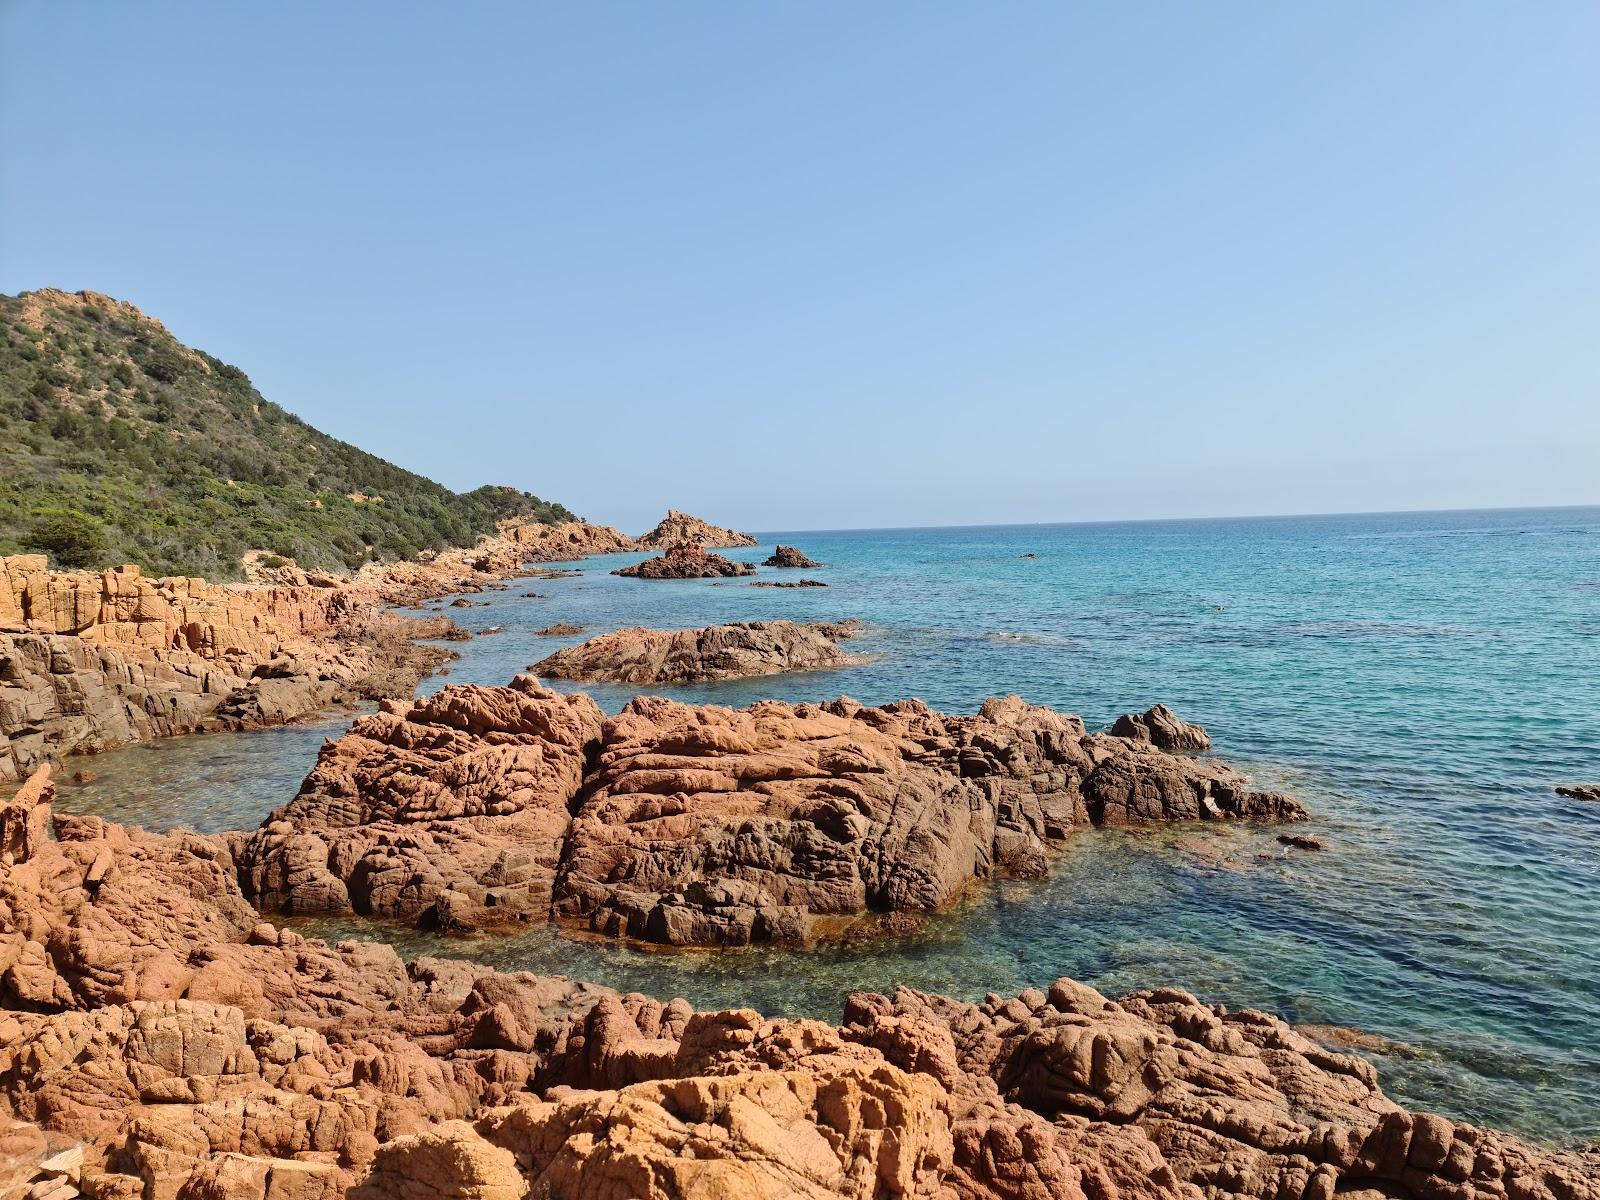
(1420, 681)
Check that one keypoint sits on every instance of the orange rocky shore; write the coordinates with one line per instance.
(159, 1039)
(90, 661)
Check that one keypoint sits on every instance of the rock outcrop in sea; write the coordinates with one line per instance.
(682, 529)
(789, 556)
(698, 655)
(690, 825)
(159, 1039)
(1162, 728)
(685, 561)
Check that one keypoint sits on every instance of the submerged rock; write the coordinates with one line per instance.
(1580, 792)
(700, 825)
(686, 562)
(697, 655)
(789, 556)
(789, 583)
(1301, 841)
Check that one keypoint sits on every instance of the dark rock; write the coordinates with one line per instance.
(1301, 841)
(789, 556)
(1162, 729)
(686, 562)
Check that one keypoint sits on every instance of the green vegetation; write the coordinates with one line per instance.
(120, 444)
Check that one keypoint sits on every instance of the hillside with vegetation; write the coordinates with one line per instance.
(120, 444)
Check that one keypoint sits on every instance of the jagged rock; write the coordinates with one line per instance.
(685, 825)
(449, 810)
(789, 556)
(560, 629)
(695, 655)
(1580, 792)
(89, 662)
(686, 562)
(1162, 729)
(258, 1063)
(705, 825)
(681, 529)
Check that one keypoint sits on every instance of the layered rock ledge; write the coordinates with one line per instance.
(90, 661)
(682, 529)
(157, 1039)
(698, 655)
(686, 562)
(700, 825)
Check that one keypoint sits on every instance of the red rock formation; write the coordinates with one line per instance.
(696, 655)
(682, 529)
(451, 810)
(702, 825)
(191, 1050)
(91, 661)
(715, 826)
(686, 562)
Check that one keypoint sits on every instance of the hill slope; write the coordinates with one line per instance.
(120, 444)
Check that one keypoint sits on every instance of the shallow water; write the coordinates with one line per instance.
(1421, 681)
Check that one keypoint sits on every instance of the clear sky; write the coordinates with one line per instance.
(804, 265)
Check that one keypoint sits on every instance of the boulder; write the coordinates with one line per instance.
(791, 557)
(1162, 728)
(449, 811)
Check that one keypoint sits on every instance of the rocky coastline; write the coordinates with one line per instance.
(159, 1038)
(90, 661)
(162, 1037)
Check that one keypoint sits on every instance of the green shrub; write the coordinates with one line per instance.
(73, 539)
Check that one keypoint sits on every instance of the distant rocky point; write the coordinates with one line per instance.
(789, 556)
(685, 561)
(700, 655)
(682, 529)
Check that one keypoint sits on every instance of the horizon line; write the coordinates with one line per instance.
(1292, 516)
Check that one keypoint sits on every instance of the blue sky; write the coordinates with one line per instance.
(834, 265)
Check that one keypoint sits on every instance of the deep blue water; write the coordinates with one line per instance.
(1420, 681)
